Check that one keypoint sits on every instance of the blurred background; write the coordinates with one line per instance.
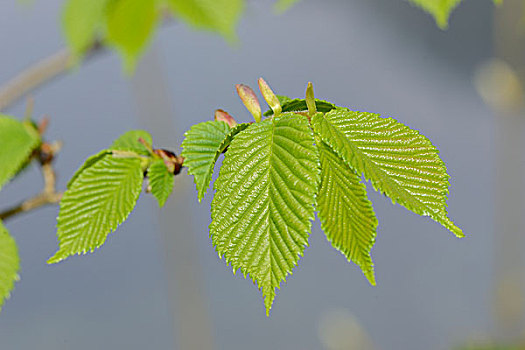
(158, 283)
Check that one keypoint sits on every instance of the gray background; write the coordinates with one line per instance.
(433, 292)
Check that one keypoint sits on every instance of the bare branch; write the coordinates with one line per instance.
(38, 74)
(31, 204)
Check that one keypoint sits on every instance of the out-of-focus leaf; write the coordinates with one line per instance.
(217, 15)
(17, 141)
(9, 264)
(131, 24)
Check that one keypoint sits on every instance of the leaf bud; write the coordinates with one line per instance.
(222, 116)
(310, 99)
(250, 101)
(270, 97)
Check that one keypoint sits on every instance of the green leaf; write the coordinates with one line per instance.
(82, 21)
(9, 264)
(282, 100)
(161, 181)
(130, 25)
(346, 214)
(87, 164)
(17, 141)
(217, 15)
(263, 207)
(399, 161)
(99, 200)
(299, 105)
(440, 9)
(201, 148)
(130, 142)
(283, 5)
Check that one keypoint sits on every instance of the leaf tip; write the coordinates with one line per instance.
(449, 225)
(371, 277)
(442, 22)
(58, 257)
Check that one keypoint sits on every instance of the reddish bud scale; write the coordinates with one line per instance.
(222, 116)
(172, 161)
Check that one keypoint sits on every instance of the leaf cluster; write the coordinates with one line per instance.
(308, 155)
(104, 190)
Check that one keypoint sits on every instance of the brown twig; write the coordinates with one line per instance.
(48, 196)
(31, 204)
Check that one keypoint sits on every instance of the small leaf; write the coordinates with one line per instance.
(9, 264)
(263, 207)
(440, 9)
(17, 141)
(131, 24)
(216, 15)
(202, 145)
(399, 161)
(130, 142)
(299, 105)
(82, 21)
(161, 181)
(100, 199)
(346, 214)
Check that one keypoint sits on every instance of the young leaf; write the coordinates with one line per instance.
(221, 16)
(440, 9)
(161, 181)
(299, 104)
(9, 264)
(130, 25)
(346, 214)
(82, 19)
(201, 148)
(17, 141)
(130, 142)
(100, 199)
(263, 207)
(399, 161)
